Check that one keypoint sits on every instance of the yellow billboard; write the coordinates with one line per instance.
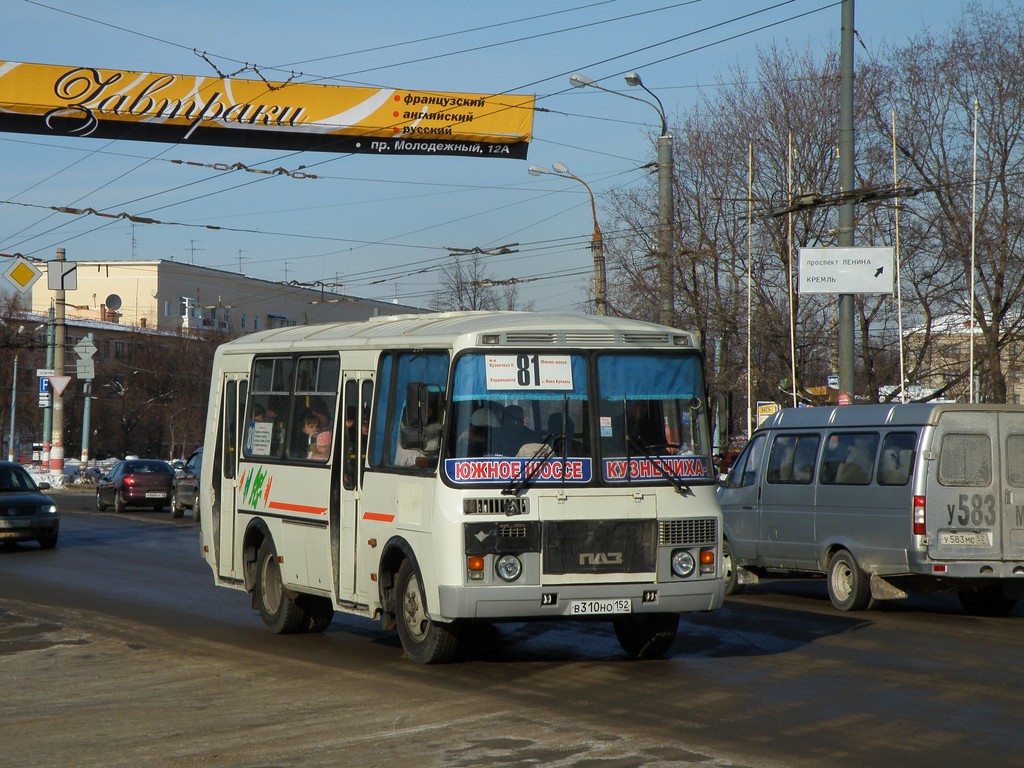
(146, 106)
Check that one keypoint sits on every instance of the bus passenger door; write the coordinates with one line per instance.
(357, 395)
(225, 479)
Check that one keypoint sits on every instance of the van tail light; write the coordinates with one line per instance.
(919, 527)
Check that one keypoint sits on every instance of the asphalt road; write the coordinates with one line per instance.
(117, 650)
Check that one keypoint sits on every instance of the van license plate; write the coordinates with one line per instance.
(965, 538)
(597, 607)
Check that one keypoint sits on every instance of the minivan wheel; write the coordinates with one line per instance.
(732, 586)
(986, 601)
(177, 510)
(848, 586)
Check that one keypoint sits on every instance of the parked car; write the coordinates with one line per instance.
(137, 483)
(186, 487)
(25, 512)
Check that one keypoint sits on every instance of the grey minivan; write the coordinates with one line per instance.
(881, 499)
(185, 493)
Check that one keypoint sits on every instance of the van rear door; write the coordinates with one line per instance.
(975, 486)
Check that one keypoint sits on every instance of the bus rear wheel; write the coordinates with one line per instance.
(278, 609)
(646, 635)
(423, 640)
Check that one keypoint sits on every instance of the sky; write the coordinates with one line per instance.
(381, 226)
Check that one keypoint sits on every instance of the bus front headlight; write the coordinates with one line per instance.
(508, 567)
(682, 563)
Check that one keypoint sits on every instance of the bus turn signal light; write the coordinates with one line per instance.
(475, 567)
(707, 560)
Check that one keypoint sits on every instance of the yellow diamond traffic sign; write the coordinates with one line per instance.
(21, 274)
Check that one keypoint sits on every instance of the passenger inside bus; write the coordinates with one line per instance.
(514, 432)
(418, 446)
(477, 438)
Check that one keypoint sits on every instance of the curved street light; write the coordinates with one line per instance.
(597, 241)
(665, 174)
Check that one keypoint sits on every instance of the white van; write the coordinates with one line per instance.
(882, 499)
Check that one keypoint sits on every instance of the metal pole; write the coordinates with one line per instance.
(86, 411)
(48, 410)
(57, 449)
(665, 174)
(846, 184)
(14, 397)
(597, 246)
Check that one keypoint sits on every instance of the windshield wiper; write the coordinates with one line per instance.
(681, 488)
(518, 486)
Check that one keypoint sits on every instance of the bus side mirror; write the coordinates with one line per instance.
(415, 403)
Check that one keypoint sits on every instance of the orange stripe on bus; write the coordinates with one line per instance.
(297, 508)
(381, 516)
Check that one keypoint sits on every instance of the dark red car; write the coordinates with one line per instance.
(135, 483)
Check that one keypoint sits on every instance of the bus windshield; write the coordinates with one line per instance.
(651, 417)
(514, 416)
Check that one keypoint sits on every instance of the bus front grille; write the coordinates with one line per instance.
(702, 530)
(599, 546)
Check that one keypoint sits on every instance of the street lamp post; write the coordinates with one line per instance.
(14, 397)
(597, 241)
(665, 175)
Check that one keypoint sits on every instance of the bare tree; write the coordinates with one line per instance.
(934, 84)
(465, 284)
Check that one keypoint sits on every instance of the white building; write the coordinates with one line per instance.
(175, 297)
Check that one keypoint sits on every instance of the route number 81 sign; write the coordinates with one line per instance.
(529, 372)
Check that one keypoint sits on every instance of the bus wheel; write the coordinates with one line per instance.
(424, 641)
(732, 586)
(646, 635)
(321, 613)
(278, 610)
(848, 587)
(986, 601)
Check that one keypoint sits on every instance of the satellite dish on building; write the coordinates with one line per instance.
(113, 301)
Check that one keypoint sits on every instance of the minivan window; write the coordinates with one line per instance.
(849, 458)
(744, 471)
(792, 459)
(896, 459)
(965, 460)
(1014, 458)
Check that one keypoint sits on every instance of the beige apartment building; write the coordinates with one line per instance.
(175, 297)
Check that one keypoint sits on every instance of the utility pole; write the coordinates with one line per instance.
(57, 449)
(846, 182)
(48, 410)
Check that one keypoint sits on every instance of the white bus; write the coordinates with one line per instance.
(438, 469)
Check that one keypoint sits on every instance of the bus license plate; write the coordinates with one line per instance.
(965, 538)
(597, 607)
